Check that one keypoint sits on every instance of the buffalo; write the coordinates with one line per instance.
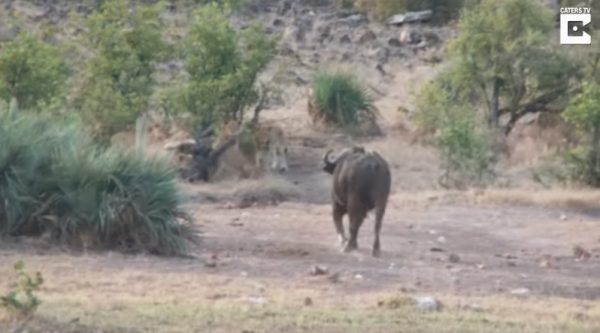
(361, 182)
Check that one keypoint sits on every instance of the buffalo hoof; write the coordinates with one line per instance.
(376, 253)
(349, 247)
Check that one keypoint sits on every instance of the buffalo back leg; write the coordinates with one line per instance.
(356, 216)
(338, 215)
(379, 212)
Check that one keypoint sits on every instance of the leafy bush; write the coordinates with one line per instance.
(31, 71)
(21, 300)
(222, 66)
(340, 99)
(117, 80)
(584, 112)
(467, 155)
(54, 180)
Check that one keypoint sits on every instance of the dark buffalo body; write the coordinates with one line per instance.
(361, 182)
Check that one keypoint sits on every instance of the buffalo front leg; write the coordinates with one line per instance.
(379, 212)
(338, 215)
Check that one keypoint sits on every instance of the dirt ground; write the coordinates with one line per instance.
(499, 260)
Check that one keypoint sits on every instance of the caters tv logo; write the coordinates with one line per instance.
(574, 26)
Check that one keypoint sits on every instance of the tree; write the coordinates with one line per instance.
(505, 56)
(117, 81)
(222, 66)
(584, 112)
(31, 71)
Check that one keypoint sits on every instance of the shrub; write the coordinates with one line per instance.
(117, 80)
(467, 155)
(31, 71)
(584, 112)
(222, 66)
(510, 68)
(21, 301)
(54, 180)
(340, 99)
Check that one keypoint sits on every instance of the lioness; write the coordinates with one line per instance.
(258, 147)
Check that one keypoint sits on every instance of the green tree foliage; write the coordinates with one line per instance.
(54, 180)
(126, 43)
(31, 71)
(222, 66)
(584, 112)
(504, 59)
(466, 153)
(341, 99)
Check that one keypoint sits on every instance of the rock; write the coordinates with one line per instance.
(428, 303)
(394, 42)
(436, 249)
(410, 17)
(441, 239)
(345, 39)
(581, 253)
(308, 301)
(358, 276)
(368, 36)
(453, 258)
(521, 292)
(354, 20)
(411, 37)
(319, 270)
(285, 8)
(278, 23)
(563, 217)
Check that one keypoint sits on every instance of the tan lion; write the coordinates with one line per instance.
(258, 148)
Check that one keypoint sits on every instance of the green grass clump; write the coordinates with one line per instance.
(54, 180)
(340, 99)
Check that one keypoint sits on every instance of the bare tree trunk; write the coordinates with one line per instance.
(495, 111)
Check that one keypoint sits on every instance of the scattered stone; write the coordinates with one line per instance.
(345, 39)
(308, 301)
(410, 17)
(368, 36)
(278, 23)
(521, 292)
(545, 264)
(428, 303)
(453, 258)
(436, 249)
(472, 307)
(354, 20)
(410, 37)
(441, 239)
(580, 253)
(563, 217)
(395, 42)
(480, 266)
(334, 278)
(319, 270)
(256, 300)
(358, 276)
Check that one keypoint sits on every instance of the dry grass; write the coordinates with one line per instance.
(577, 200)
(238, 309)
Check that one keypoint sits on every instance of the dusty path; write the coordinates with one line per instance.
(498, 249)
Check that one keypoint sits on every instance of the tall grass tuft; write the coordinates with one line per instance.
(340, 99)
(54, 180)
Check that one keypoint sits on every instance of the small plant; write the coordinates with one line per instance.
(21, 301)
(341, 100)
(467, 155)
